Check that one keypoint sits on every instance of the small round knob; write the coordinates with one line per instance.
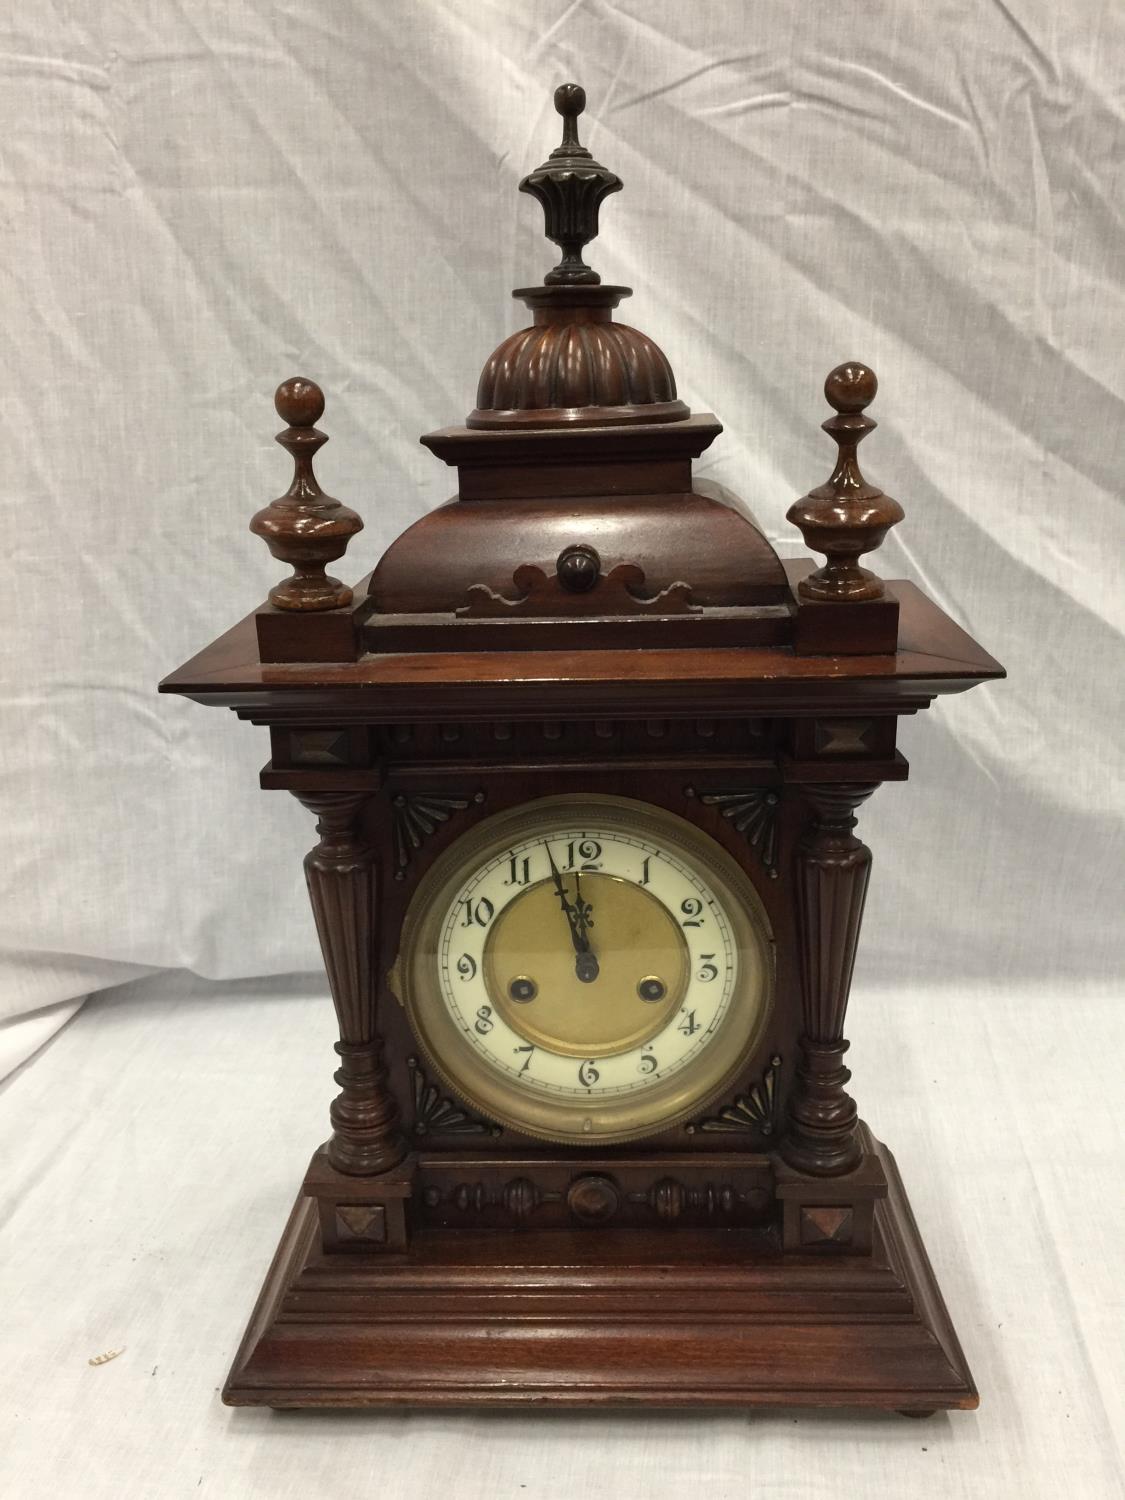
(578, 568)
(570, 99)
(299, 402)
(850, 387)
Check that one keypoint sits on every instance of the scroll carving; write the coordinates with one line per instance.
(833, 869)
(340, 872)
(618, 592)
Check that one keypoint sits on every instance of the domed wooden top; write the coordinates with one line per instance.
(582, 452)
(580, 373)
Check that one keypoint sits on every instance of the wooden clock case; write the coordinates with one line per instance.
(585, 616)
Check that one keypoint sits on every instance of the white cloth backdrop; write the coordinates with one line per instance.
(199, 199)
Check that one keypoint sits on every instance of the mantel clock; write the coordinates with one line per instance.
(585, 758)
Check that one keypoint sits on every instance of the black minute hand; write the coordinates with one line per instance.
(585, 961)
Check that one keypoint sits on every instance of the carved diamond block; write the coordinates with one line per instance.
(361, 1221)
(843, 736)
(320, 747)
(826, 1226)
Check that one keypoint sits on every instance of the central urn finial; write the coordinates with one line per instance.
(571, 185)
(574, 366)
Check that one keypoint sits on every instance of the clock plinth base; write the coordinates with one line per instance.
(830, 1214)
(359, 1215)
(617, 1318)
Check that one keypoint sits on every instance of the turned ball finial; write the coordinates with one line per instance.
(305, 527)
(850, 388)
(570, 185)
(570, 101)
(847, 516)
(299, 402)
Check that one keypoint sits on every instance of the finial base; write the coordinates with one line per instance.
(651, 412)
(308, 536)
(841, 580)
(310, 592)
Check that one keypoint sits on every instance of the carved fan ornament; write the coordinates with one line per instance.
(755, 1111)
(754, 814)
(417, 815)
(435, 1112)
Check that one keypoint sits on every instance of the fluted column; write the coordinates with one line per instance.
(342, 888)
(832, 871)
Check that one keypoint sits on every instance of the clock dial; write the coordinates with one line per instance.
(587, 968)
(616, 990)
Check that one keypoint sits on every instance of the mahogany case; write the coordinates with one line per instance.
(585, 615)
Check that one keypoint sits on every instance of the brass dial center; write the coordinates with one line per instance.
(638, 946)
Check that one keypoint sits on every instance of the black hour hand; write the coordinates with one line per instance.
(585, 961)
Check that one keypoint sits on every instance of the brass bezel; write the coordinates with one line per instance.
(583, 1122)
